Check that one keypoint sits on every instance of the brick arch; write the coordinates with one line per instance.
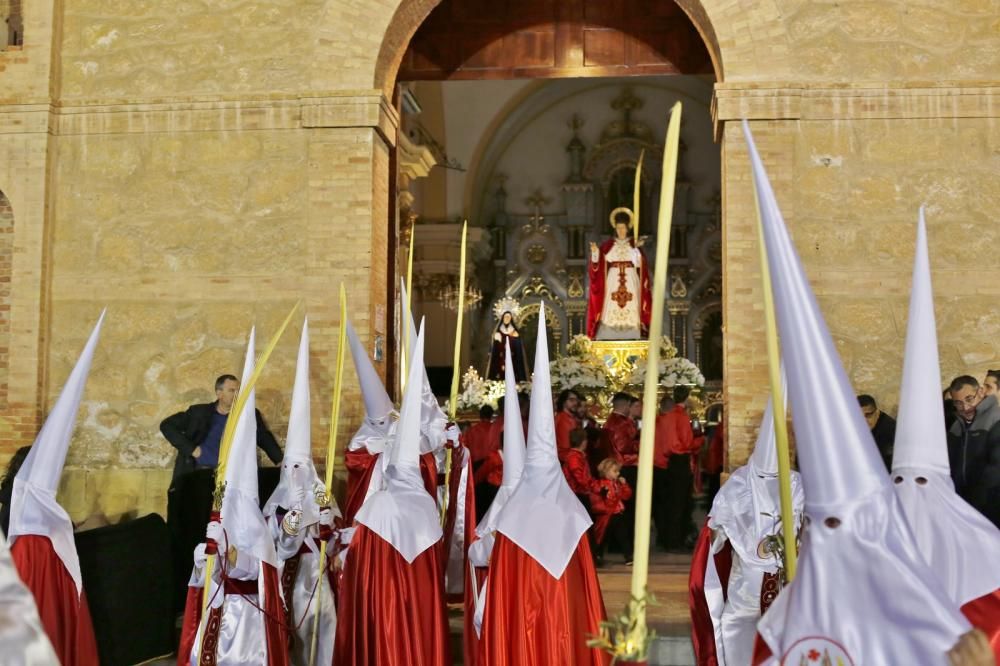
(6, 258)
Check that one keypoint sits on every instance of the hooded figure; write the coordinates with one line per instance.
(482, 547)
(373, 438)
(378, 427)
(437, 437)
(299, 523)
(954, 538)
(392, 608)
(735, 569)
(543, 600)
(41, 534)
(862, 593)
(245, 568)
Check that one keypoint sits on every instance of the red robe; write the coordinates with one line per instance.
(469, 515)
(391, 612)
(359, 466)
(533, 619)
(624, 438)
(482, 438)
(702, 630)
(598, 273)
(63, 611)
(565, 424)
(607, 498)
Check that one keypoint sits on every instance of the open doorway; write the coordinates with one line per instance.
(528, 119)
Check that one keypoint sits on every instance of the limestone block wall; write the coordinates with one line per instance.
(198, 167)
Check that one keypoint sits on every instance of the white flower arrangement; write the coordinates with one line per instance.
(676, 371)
(574, 372)
(477, 391)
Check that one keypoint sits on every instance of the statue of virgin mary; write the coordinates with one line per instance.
(506, 311)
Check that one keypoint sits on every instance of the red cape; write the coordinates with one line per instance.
(595, 303)
(533, 619)
(276, 632)
(702, 630)
(470, 641)
(984, 614)
(391, 611)
(359, 466)
(63, 611)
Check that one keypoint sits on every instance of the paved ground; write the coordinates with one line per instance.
(668, 576)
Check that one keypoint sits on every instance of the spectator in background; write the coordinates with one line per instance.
(991, 385)
(481, 437)
(883, 428)
(949, 409)
(974, 446)
(196, 432)
(567, 405)
(7, 486)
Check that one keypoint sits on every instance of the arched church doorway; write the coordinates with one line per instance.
(528, 119)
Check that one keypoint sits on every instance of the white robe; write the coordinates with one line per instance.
(304, 603)
(242, 633)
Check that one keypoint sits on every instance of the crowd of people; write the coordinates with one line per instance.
(599, 461)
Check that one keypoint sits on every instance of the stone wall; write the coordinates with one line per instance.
(198, 169)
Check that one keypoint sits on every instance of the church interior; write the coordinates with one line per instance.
(198, 168)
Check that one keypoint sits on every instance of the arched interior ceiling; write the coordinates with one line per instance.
(479, 39)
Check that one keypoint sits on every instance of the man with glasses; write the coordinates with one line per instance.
(974, 446)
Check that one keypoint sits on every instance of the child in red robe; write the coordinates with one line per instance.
(607, 504)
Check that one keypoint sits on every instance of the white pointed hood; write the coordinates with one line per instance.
(748, 505)
(953, 537)
(433, 420)
(543, 516)
(377, 403)
(862, 593)
(34, 509)
(378, 426)
(513, 451)
(297, 467)
(403, 514)
(241, 515)
(764, 457)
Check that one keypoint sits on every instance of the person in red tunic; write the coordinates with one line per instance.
(953, 537)
(392, 607)
(607, 504)
(567, 406)
(576, 466)
(543, 600)
(622, 436)
(680, 442)
(41, 534)
(481, 437)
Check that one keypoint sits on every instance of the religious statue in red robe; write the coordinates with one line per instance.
(620, 301)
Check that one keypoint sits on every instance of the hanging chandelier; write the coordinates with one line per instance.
(473, 296)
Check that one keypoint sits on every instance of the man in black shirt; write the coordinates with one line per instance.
(883, 428)
(196, 433)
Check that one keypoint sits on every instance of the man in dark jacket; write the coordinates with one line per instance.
(882, 425)
(196, 433)
(974, 447)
